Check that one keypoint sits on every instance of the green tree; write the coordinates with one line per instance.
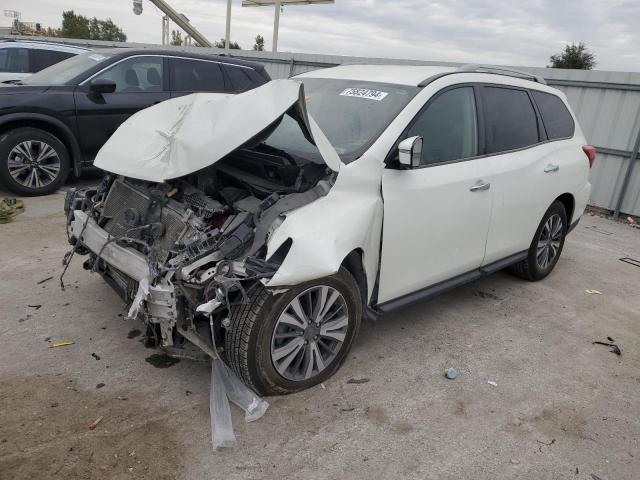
(575, 57)
(176, 38)
(232, 45)
(79, 26)
(259, 45)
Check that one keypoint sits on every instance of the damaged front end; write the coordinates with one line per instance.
(183, 251)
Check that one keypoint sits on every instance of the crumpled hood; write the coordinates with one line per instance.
(186, 134)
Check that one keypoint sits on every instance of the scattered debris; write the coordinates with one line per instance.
(323, 387)
(37, 307)
(595, 477)
(614, 348)
(630, 220)
(492, 383)
(593, 292)
(44, 280)
(9, 208)
(577, 471)
(631, 261)
(545, 444)
(350, 409)
(54, 404)
(96, 356)
(515, 462)
(188, 392)
(61, 344)
(358, 381)
(451, 373)
(100, 385)
(610, 339)
(94, 424)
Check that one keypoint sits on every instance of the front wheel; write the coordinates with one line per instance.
(288, 342)
(546, 245)
(32, 161)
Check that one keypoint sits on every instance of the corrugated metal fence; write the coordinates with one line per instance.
(607, 105)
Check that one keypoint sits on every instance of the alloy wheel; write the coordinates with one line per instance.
(309, 333)
(34, 164)
(549, 241)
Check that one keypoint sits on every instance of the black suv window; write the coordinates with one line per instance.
(510, 119)
(136, 74)
(557, 120)
(41, 59)
(14, 60)
(448, 127)
(196, 76)
(239, 78)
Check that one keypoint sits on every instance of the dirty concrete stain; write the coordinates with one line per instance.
(160, 360)
(134, 333)
(402, 426)
(376, 415)
(36, 444)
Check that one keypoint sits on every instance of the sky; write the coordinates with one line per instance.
(507, 32)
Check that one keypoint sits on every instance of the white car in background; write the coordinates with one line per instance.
(271, 222)
(21, 58)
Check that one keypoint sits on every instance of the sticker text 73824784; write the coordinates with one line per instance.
(364, 93)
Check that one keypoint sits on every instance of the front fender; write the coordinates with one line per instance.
(325, 231)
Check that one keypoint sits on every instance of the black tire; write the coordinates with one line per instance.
(530, 268)
(249, 337)
(9, 140)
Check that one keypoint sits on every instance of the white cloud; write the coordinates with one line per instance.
(486, 31)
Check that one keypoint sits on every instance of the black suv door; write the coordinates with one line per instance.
(139, 84)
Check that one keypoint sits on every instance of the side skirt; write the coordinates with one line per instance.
(374, 313)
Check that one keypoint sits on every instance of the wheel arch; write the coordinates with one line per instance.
(569, 203)
(50, 125)
(355, 266)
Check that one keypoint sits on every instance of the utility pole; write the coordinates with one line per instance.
(227, 38)
(276, 24)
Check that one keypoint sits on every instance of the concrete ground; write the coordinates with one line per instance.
(562, 407)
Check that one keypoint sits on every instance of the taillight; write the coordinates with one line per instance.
(590, 152)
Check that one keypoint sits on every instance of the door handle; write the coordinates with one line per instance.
(551, 168)
(480, 185)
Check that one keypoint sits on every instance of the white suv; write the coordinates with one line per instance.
(270, 223)
(21, 58)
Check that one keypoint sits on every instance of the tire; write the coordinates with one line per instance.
(19, 151)
(251, 345)
(533, 268)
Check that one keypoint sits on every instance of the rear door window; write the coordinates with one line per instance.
(510, 119)
(195, 76)
(14, 60)
(41, 59)
(557, 120)
(239, 78)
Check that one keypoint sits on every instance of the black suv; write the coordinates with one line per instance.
(56, 120)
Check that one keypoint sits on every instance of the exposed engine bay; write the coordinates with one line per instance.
(182, 253)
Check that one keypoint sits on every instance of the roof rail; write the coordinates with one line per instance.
(510, 72)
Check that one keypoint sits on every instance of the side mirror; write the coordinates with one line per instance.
(410, 151)
(102, 85)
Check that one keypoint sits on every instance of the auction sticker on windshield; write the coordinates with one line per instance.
(364, 93)
(97, 57)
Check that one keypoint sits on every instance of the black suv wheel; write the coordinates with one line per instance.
(32, 161)
(288, 342)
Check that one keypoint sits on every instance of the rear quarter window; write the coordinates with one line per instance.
(196, 76)
(41, 59)
(510, 119)
(239, 78)
(557, 120)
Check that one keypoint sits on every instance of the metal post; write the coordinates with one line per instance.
(165, 30)
(276, 24)
(227, 37)
(627, 176)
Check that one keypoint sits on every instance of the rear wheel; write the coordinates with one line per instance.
(288, 342)
(546, 245)
(32, 161)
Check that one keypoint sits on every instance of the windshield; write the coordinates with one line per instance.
(65, 71)
(352, 114)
